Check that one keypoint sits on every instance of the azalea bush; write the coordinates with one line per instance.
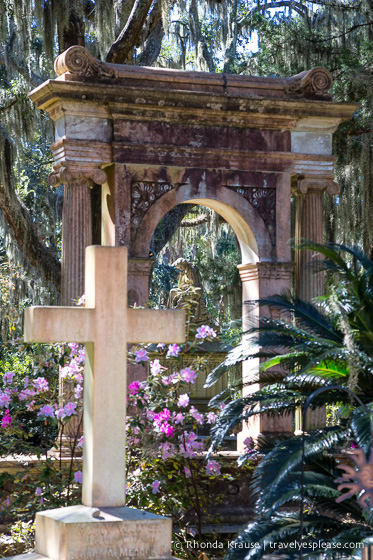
(36, 414)
(166, 468)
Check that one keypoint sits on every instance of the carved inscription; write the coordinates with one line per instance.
(117, 542)
(263, 199)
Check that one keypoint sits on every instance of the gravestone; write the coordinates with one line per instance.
(102, 527)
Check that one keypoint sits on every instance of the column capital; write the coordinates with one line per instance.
(310, 185)
(75, 172)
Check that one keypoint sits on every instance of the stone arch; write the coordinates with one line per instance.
(249, 227)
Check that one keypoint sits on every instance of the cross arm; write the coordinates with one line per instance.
(58, 324)
(150, 325)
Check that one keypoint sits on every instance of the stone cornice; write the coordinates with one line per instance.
(78, 63)
(76, 173)
(141, 101)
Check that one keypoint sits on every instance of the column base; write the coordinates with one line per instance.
(86, 533)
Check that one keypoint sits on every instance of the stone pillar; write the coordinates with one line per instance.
(139, 274)
(76, 224)
(308, 283)
(309, 226)
(260, 280)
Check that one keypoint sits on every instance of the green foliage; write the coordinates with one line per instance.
(310, 347)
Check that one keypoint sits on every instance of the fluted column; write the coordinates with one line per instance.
(76, 224)
(309, 226)
(308, 283)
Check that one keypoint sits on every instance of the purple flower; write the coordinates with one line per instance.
(4, 399)
(73, 347)
(173, 350)
(161, 345)
(167, 450)
(78, 477)
(8, 377)
(60, 413)
(187, 472)
(141, 355)
(80, 442)
(155, 486)
(70, 408)
(212, 467)
(41, 384)
(25, 394)
(7, 419)
(38, 491)
(78, 391)
(205, 331)
(46, 411)
(188, 375)
(183, 400)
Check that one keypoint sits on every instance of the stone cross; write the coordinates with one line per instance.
(105, 325)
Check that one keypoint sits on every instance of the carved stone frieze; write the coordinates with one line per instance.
(143, 195)
(75, 173)
(77, 60)
(263, 199)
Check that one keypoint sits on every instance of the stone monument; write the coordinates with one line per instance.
(102, 527)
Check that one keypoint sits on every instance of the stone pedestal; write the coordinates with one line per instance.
(260, 280)
(85, 533)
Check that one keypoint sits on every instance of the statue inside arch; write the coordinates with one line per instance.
(188, 293)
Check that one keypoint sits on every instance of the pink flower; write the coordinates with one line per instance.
(74, 347)
(183, 400)
(135, 387)
(41, 384)
(167, 450)
(161, 345)
(187, 472)
(205, 331)
(78, 477)
(80, 442)
(188, 375)
(155, 486)
(179, 418)
(173, 350)
(196, 415)
(46, 411)
(4, 399)
(156, 367)
(212, 467)
(141, 355)
(187, 451)
(7, 419)
(26, 382)
(8, 377)
(70, 408)
(81, 301)
(30, 405)
(60, 413)
(211, 418)
(167, 429)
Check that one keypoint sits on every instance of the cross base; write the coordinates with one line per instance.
(115, 533)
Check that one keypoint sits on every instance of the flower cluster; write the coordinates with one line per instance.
(166, 426)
